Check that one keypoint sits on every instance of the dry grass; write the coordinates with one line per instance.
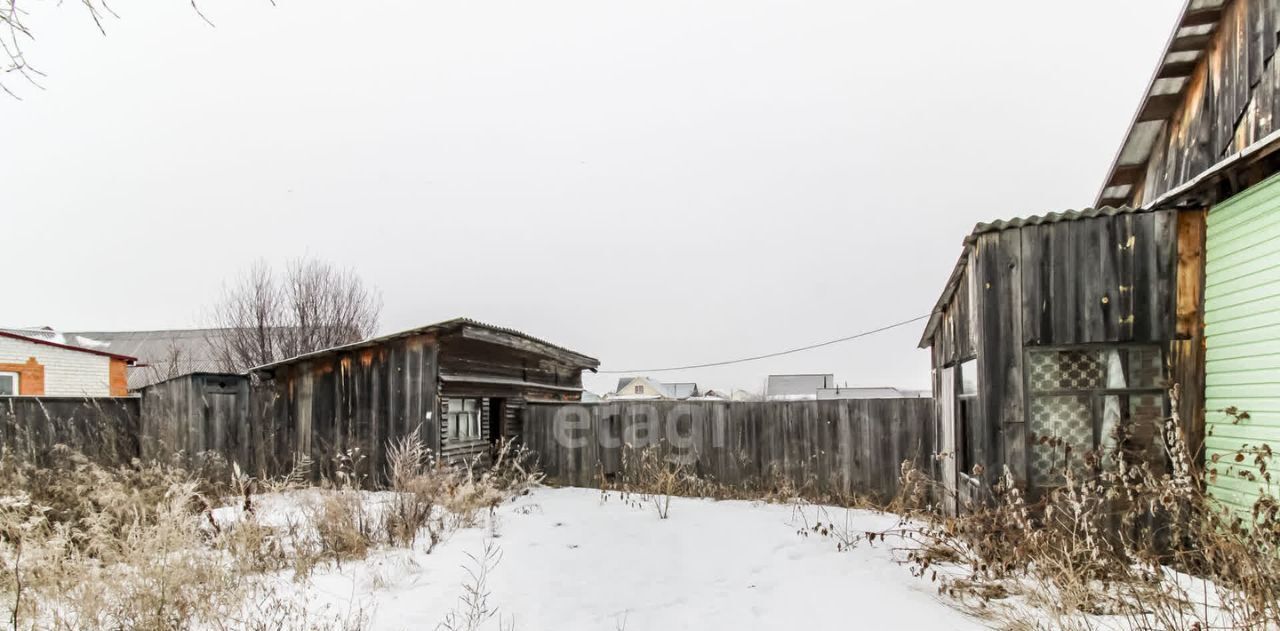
(652, 475)
(1120, 545)
(140, 546)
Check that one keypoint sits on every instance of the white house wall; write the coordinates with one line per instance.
(67, 373)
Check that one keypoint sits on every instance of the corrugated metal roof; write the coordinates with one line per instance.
(999, 225)
(1054, 217)
(587, 362)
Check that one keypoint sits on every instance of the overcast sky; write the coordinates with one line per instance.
(653, 183)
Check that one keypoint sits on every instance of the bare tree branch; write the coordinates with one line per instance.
(314, 305)
(14, 33)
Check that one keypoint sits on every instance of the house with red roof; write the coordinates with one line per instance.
(41, 362)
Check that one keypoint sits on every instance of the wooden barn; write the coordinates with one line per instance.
(460, 385)
(1065, 326)
(1205, 138)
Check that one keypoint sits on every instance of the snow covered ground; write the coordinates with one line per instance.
(570, 561)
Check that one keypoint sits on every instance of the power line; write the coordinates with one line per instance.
(768, 355)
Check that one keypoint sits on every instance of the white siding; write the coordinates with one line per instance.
(67, 373)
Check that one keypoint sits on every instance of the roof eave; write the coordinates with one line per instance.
(126, 358)
(583, 361)
(1157, 106)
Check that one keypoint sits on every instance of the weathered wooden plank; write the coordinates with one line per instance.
(1036, 266)
(1228, 104)
(104, 429)
(850, 447)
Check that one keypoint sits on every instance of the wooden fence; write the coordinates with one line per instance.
(106, 429)
(849, 447)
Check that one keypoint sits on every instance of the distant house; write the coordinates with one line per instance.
(649, 388)
(638, 388)
(825, 394)
(42, 362)
(796, 387)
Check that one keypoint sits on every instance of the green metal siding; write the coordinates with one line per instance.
(1242, 338)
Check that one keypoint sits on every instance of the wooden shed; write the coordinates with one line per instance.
(1066, 326)
(196, 413)
(460, 385)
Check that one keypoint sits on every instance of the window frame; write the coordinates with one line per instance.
(17, 382)
(966, 458)
(1096, 397)
(475, 421)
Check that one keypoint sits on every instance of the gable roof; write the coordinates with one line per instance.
(1191, 37)
(49, 337)
(665, 389)
(579, 360)
(659, 389)
(957, 272)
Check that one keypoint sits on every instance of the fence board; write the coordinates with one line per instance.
(849, 447)
(106, 429)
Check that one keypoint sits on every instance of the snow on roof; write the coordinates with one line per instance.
(163, 353)
(50, 337)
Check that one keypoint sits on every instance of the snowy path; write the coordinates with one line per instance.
(571, 563)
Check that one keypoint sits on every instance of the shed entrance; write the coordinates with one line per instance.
(1242, 339)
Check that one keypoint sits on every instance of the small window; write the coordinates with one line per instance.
(969, 377)
(639, 389)
(1108, 399)
(8, 384)
(463, 419)
(967, 418)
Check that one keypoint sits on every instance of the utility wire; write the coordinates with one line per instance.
(768, 355)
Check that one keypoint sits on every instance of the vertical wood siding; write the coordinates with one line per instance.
(106, 429)
(1125, 278)
(850, 447)
(198, 413)
(357, 400)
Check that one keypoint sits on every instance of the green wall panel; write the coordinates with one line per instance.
(1242, 338)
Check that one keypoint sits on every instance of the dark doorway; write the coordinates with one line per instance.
(497, 418)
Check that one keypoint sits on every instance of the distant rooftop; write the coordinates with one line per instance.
(50, 337)
(874, 392)
(787, 386)
(666, 389)
(161, 354)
